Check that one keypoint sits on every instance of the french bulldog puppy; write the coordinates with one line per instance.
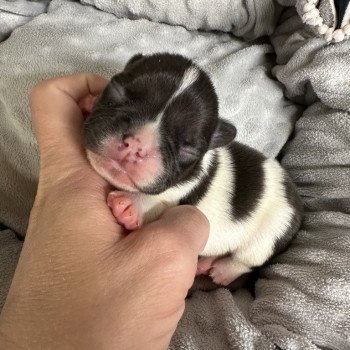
(155, 135)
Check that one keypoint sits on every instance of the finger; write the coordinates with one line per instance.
(77, 86)
(57, 118)
(86, 104)
(80, 85)
(54, 103)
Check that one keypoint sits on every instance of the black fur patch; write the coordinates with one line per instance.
(341, 7)
(201, 189)
(249, 179)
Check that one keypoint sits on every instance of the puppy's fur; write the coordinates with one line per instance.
(155, 134)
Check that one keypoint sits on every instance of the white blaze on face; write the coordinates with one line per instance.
(189, 78)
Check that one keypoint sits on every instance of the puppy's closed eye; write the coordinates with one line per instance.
(188, 153)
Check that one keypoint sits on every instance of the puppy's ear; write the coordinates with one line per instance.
(224, 134)
(132, 60)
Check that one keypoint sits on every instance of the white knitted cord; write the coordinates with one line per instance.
(311, 16)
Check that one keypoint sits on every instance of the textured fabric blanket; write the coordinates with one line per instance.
(301, 298)
(16, 13)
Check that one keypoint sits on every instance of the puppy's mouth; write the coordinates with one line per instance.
(126, 168)
(112, 171)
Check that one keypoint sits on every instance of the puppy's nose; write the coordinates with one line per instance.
(132, 146)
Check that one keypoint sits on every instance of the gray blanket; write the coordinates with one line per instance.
(16, 13)
(302, 298)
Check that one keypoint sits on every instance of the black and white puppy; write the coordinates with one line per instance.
(155, 135)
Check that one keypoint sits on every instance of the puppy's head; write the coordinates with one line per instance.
(153, 123)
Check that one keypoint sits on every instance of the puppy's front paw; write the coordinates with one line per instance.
(124, 210)
(226, 270)
(220, 272)
(204, 265)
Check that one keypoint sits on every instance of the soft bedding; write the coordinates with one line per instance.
(302, 298)
(17, 13)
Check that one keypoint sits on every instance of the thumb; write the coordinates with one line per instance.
(188, 226)
(172, 243)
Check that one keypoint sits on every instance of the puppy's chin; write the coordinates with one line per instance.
(126, 176)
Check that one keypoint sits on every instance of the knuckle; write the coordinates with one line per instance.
(38, 89)
(88, 75)
(34, 91)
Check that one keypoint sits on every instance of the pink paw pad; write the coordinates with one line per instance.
(123, 210)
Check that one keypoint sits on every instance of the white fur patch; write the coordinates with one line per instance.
(252, 240)
(346, 18)
(153, 205)
(190, 77)
(95, 161)
(217, 207)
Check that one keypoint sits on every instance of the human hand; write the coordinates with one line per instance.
(80, 282)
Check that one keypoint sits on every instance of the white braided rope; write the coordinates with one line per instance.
(311, 15)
